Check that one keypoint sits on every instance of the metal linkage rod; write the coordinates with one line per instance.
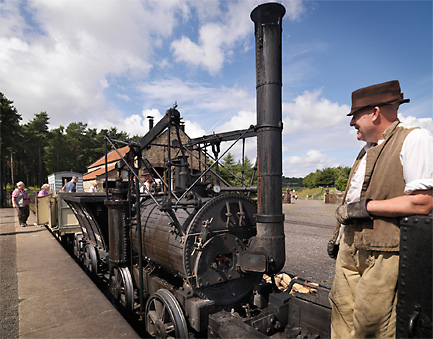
(207, 170)
(174, 221)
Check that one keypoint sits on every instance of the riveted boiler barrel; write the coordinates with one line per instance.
(160, 243)
(206, 254)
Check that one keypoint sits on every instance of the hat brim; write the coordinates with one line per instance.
(356, 109)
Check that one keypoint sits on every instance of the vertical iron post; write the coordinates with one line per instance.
(106, 167)
(270, 219)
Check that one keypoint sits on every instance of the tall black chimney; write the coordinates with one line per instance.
(270, 219)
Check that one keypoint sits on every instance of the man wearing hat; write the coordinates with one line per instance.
(391, 177)
(148, 181)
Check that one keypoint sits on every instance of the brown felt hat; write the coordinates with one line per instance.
(381, 94)
(143, 171)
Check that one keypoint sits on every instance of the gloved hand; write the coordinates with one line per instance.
(347, 212)
(333, 249)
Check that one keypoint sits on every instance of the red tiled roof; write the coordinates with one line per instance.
(92, 175)
(112, 156)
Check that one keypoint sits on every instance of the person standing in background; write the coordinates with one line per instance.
(20, 201)
(94, 187)
(71, 186)
(44, 190)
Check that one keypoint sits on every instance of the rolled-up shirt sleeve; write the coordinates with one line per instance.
(417, 159)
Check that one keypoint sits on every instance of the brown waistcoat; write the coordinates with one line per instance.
(383, 180)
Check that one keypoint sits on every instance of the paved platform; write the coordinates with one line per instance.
(56, 299)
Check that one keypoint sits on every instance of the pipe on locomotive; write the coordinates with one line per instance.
(269, 218)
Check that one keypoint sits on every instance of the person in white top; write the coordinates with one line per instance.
(148, 182)
(391, 177)
(94, 187)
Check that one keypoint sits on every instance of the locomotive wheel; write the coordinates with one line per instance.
(164, 316)
(78, 247)
(121, 288)
(90, 259)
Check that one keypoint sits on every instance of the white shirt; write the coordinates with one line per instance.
(416, 157)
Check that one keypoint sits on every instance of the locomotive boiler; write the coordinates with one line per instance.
(188, 253)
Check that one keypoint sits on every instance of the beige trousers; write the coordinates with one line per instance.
(364, 294)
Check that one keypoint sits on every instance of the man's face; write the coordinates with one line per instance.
(363, 123)
(21, 186)
(148, 177)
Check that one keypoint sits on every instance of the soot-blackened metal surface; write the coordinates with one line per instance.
(414, 307)
(270, 219)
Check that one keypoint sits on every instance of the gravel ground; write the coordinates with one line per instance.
(308, 227)
(8, 275)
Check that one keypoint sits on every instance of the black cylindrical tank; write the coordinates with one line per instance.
(118, 233)
(206, 254)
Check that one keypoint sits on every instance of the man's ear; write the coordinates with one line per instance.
(376, 114)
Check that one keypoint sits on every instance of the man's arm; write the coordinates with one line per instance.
(419, 202)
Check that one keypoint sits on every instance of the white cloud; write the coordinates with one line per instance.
(243, 120)
(64, 61)
(311, 110)
(216, 39)
(193, 129)
(123, 97)
(411, 121)
(299, 166)
(134, 124)
(196, 100)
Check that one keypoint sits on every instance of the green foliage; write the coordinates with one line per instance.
(237, 173)
(31, 151)
(341, 183)
(292, 182)
(10, 140)
(310, 180)
(330, 176)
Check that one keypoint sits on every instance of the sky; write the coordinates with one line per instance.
(113, 63)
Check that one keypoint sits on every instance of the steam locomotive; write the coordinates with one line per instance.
(189, 257)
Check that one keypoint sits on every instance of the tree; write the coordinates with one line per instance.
(229, 165)
(56, 151)
(242, 171)
(341, 183)
(325, 177)
(74, 138)
(310, 180)
(35, 139)
(10, 135)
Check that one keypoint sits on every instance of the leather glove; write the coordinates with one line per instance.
(332, 249)
(347, 212)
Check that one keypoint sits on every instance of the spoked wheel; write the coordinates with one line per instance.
(90, 259)
(164, 316)
(78, 246)
(121, 288)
